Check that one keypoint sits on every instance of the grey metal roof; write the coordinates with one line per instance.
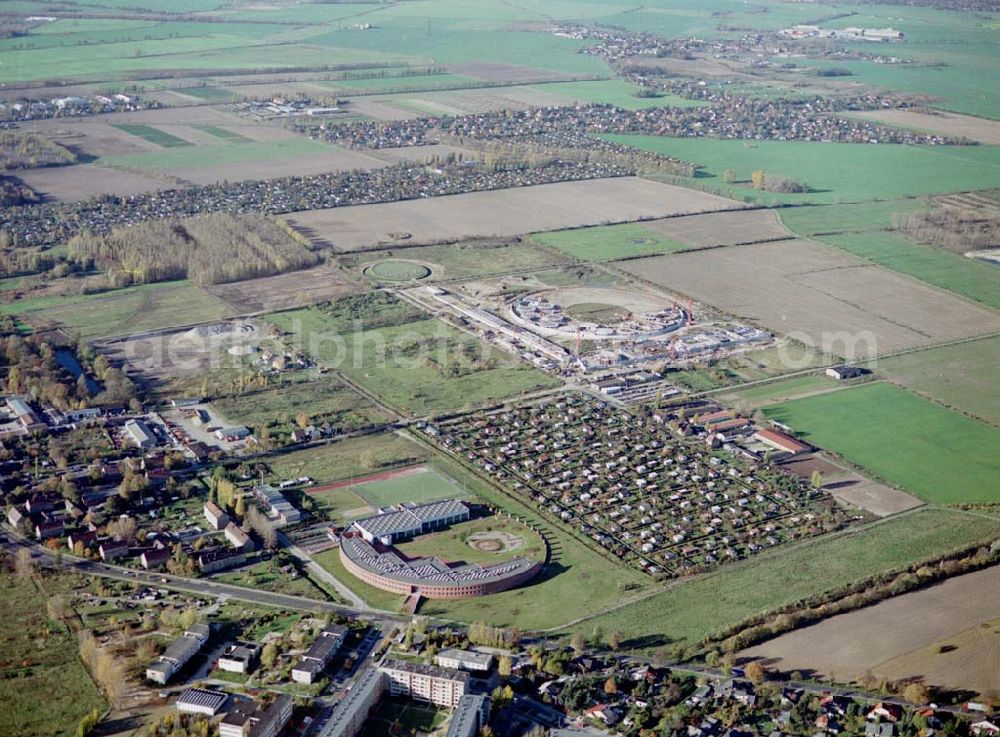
(203, 698)
(465, 720)
(355, 700)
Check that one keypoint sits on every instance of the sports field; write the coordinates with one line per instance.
(835, 171)
(420, 484)
(908, 441)
(608, 242)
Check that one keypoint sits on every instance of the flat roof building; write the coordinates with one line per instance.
(439, 686)
(471, 715)
(249, 719)
(406, 521)
(469, 660)
(201, 701)
(320, 653)
(240, 657)
(350, 714)
(178, 653)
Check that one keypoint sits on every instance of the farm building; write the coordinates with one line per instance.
(781, 441)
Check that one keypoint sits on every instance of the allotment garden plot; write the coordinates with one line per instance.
(664, 504)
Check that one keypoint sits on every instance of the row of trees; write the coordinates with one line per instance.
(107, 671)
(208, 249)
(956, 230)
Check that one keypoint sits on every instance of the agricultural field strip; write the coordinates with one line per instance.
(847, 644)
(610, 491)
(507, 212)
(808, 289)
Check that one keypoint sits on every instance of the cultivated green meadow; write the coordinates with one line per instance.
(608, 242)
(845, 172)
(936, 453)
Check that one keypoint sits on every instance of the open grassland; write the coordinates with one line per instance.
(969, 277)
(755, 397)
(962, 376)
(390, 718)
(834, 171)
(453, 546)
(153, 135)
(321, 401)
(128, 310)
(419, 367)
(613, 92)
(692, 611)
(896, 638)
(463, 260)
(75, 183)
(205, 164)
(848, 218)
(504, 213)
(44, 688)
(608, 242)
(920, 446)
(815, 292)
(347, 459)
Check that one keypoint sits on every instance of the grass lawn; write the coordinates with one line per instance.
(412, 718)
(44, 688)
(962, 376)
(153, 135)
(452, 544)
(966, 276)
(267, 576)
(132, 309)
(346, 459)
(420, 367)
(423, 486)
(224, 133)
(835, 171)
(695, 610)
(938, 454)
(609, 242)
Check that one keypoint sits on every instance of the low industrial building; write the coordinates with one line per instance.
(780, 441)
(140, 434)
(320, 653)
(201, 701)
(278, 508)
(178, 653)
(430, 683)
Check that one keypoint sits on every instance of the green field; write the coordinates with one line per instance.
(848, 218)
(608, 242)
(420, 367)
(779, 391)
(324, 400)
(420, 487)
(120, 311)
(40, 657)
(452, 546)
(224, 133)
(460, 260)
(348, 458)
(969, 277)
(613, 92)
(962, 376)
(153, 135)
(215, 155)
(397, 271)
(835, 171)
(940, 455)
(698, 609)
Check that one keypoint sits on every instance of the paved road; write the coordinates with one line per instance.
(322, 574)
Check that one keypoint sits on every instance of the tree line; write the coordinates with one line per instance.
(207, 249)
(29, 151)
